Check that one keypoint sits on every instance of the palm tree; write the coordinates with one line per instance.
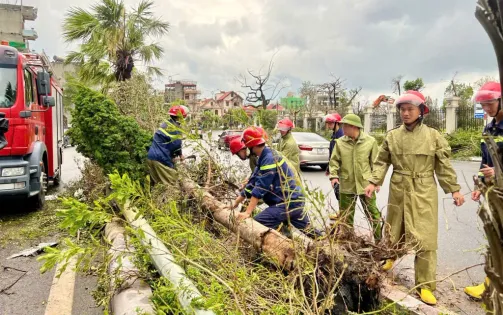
(112, 40)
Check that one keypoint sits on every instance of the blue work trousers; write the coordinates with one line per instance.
(273, 216)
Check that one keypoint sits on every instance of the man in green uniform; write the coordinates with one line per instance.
(352, 158)
(287, 144)
(417, 153)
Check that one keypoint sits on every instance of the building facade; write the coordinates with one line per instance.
(182, 90)
(12, 25)
(222, 102)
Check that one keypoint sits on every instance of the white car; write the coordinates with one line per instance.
(313, 149)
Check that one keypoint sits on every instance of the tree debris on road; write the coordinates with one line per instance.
(32, 251)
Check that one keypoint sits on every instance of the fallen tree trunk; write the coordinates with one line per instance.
(358, 288)
(134, 294)
(165, 263)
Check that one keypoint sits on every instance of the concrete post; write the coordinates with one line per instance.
(451, 119)
(367, 120)
(390, 119)
(304, 122)
(317, 124)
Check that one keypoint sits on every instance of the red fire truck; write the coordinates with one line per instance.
(31, 101)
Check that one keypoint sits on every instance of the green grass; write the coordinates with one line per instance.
(23, 226)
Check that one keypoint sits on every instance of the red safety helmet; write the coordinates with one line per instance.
(236, 145)
(332, 118)
(253, 136)
(285, 124)
(421, 96)
(490, 91)
(412, 98)
(178, 110)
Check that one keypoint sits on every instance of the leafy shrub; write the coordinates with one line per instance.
(267, 118)
(107, 138)
(465, 143)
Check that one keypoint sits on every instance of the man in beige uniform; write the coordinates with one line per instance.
(417, 153)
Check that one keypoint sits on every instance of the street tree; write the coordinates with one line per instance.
(462, 90)
(112, 39)
(477, 84)
(415, 85)
(309, 92)
(332, 89)
(261, 88)
(396, 84)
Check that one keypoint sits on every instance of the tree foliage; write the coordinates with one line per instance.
(112, 39)
(462, 90)
(111, 140)
(235, 117)
(415, 85)
(267, 118)
(137, 99)
(210, 120)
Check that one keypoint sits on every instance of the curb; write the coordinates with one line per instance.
(134, 294)
(407, 303)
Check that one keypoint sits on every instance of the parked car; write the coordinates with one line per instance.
(225, 138)
(313, 149)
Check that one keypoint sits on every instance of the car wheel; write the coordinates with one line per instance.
(37, 202)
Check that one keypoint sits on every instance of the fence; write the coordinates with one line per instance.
(466, 119)
(378, 123)
(435, 118)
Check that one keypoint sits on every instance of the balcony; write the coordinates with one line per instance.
(191, 91)
(30, 34)
(29, 13)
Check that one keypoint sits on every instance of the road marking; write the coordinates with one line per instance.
(60, 300)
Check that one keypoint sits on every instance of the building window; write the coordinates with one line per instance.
(227, 103)
(28, 88)
(187, 96)
(235, 104)
(216, 111)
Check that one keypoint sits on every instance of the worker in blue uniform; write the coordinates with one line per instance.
(166, 147)
(274, 182)
(489, 97)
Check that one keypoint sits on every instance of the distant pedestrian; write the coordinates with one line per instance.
(332, 123)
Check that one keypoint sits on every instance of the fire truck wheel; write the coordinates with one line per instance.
(37, 202)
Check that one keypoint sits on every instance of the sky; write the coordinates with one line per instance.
(365, 42)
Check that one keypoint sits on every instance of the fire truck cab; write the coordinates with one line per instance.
(32, 102)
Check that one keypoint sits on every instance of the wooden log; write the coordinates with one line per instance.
(359, 286)
(273, 244)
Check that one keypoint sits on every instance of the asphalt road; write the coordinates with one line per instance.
(30, 294)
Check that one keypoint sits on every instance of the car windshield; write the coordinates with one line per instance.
(8, 86)
(308, 137)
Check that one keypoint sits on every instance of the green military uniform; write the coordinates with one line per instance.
(161, 173)
(416, 157)
(289, 149)
(352, 163)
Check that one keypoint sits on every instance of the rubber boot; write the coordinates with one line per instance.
(388, 264)
(428, 297)
(477, 290)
